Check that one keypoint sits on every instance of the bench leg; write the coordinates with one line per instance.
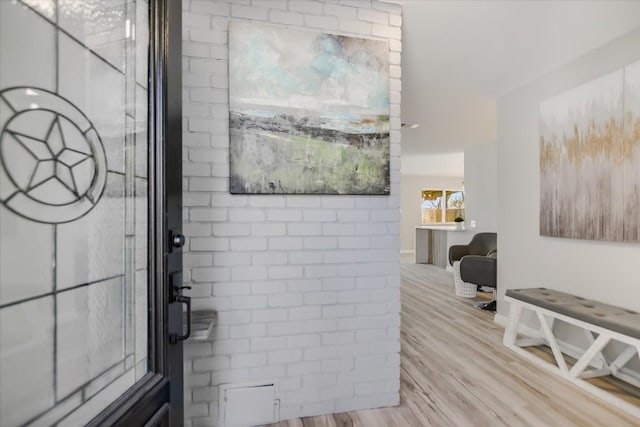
(585, 375)
(511, 331)
(551, 321)
(530, 342)
(603, 362)
(623, 359)
(591, 352)
(552, 342)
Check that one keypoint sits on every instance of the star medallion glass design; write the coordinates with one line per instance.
(54, 166)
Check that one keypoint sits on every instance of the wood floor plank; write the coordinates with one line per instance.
(456, 372)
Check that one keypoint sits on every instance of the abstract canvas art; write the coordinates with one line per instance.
(309, 112)
(590, 160)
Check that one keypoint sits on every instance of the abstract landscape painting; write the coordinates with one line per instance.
(590, 158)
(309, 112)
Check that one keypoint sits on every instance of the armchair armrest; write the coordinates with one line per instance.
(456, 252)
(479, 270)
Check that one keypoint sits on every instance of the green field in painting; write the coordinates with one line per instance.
(264, 161)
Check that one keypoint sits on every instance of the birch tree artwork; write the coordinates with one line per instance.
(590, 160)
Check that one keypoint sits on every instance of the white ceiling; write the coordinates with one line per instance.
(459, 56)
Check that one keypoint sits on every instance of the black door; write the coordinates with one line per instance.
(91, 308)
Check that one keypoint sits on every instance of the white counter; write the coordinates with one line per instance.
(444, 227)
(433, 241)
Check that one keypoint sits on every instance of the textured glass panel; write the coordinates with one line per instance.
(142, 368)
(141, 223)
(59, 411)
(25, 60)
(141, 319)
(99, 90)
(100, 401)
(104, 379)
(26, 353)
(101, 25)
(129, 294)
(46, 7)
(130, 180)
(142, 141)
(92, 248)
(7, 188)
(90, 333)
(128, 362)
(26, 269)
(142, 41)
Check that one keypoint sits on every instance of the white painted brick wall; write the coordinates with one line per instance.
(306, 287)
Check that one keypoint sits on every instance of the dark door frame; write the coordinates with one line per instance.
(157, 399)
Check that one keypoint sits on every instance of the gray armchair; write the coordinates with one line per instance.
(478, 263)
(480, 244)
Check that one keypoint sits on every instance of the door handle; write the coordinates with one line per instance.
(185, 300)
(176, 336)
(176, 309)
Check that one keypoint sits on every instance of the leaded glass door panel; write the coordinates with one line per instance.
(82, 291)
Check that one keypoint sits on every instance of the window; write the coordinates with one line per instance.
(432, 206)
(455, 206)
(442, 206)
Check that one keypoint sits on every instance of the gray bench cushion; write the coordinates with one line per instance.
(607, 316)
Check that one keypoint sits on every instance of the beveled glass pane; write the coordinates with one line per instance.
(99, 91)
(80, 259)
(23, 58)
(142, 40)
(90, 333)
(141, 319)
(73, 207)
(141, 225)
(141, 137)
(26, 352)
(16, 246)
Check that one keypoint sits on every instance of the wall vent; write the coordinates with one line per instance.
(248, 404)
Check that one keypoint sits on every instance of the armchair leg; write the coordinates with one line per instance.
(487, 305)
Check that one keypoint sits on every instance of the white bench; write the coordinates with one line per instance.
(607, 322)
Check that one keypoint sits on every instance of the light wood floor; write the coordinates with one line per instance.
(455, 372)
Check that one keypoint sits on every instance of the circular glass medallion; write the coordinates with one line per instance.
(52, 158)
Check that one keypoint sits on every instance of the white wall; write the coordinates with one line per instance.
(481, 186)
(606, 272)
(440, 165)
(306, 287)
(411, 202)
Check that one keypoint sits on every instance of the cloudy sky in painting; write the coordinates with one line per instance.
(303, 69)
